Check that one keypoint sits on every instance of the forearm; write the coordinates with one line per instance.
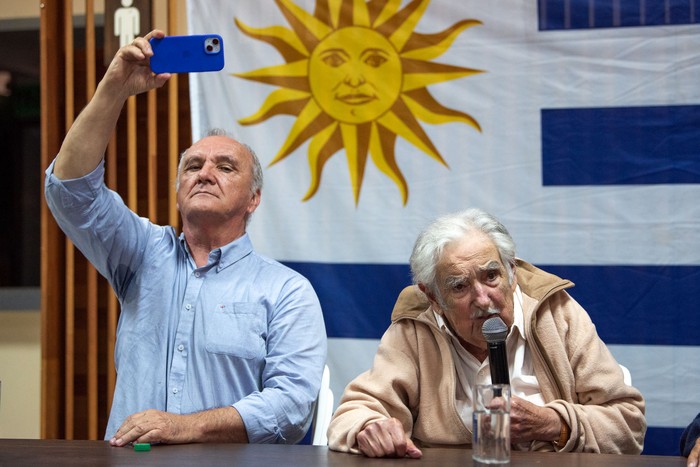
(223, 425)
(86, 141)
(366, 401)
(220, 425)
(614, 427)
(604, 413)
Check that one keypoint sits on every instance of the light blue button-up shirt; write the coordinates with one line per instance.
(244, 330)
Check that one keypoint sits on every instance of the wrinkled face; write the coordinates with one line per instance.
(215, 182)
(474, 286)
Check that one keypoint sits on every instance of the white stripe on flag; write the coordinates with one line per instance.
(668, 378)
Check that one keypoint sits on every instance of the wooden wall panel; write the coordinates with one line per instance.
(52, 246)
(79, 309)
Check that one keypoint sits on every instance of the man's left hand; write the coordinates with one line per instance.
(151, 426)
(530, 422)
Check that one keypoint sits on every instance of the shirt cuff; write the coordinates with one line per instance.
(260, 425)
(89, 182)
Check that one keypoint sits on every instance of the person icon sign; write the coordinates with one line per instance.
(126, 22)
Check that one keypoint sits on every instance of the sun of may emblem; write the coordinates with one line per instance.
(356, 77)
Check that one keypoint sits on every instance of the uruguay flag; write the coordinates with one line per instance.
(577, 123)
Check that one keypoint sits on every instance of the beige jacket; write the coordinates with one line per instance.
(413, 376)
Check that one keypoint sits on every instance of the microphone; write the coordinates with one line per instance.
(495, 332)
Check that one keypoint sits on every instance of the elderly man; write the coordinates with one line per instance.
(568, 390)
(215, 342)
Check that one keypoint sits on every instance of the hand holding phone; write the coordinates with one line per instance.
(187, 54)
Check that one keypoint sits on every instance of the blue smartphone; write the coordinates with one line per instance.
(187, 54)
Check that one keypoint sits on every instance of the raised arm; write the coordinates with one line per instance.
(128, 74)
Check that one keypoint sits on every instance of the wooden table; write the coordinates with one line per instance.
(57, 453)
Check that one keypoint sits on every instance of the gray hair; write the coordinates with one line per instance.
(447, 229)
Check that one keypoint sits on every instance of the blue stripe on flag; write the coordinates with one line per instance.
(638, 305)
(660, 441)
(357, 299)
(585, 14)
(633, 305)
(621, 145)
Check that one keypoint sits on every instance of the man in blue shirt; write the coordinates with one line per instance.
(215, 343)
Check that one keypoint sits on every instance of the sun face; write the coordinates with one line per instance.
(356, 77)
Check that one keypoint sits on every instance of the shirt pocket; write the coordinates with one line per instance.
(236, 329)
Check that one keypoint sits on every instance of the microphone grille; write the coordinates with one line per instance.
(494, 330)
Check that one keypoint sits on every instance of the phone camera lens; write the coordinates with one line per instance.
(209, 48)
(215, 41)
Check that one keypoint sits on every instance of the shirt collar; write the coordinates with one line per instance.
(226, 255)
(518, 316)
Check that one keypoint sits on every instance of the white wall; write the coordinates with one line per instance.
(20, 374)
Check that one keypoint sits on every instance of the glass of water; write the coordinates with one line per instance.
(491, 424)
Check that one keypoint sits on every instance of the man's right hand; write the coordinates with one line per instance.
(129, 73)
(386, 438)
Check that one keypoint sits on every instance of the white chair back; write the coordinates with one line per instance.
(323, 411)
(626, 375)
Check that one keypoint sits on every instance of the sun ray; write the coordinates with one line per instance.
(420, 74)
(289, 75)
(409, 129)
(279, 102)
(345, 14)
(322, 146)
(309, 28)
(430, 46)
(386, 9)
(360, 14)
(427, 109)
(310, 121)
(381, 150)
(356, 142)
(322, 11)
(414, 11)
(332, 13)
(282, 39)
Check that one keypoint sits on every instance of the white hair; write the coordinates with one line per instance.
(447, 229)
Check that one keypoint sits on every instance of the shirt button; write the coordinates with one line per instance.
(188, 307)
(175, 391)
(196, 274)
(180, 347)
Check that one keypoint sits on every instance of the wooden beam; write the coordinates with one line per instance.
(52, 241)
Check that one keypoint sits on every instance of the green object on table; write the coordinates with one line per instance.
(142, 446)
